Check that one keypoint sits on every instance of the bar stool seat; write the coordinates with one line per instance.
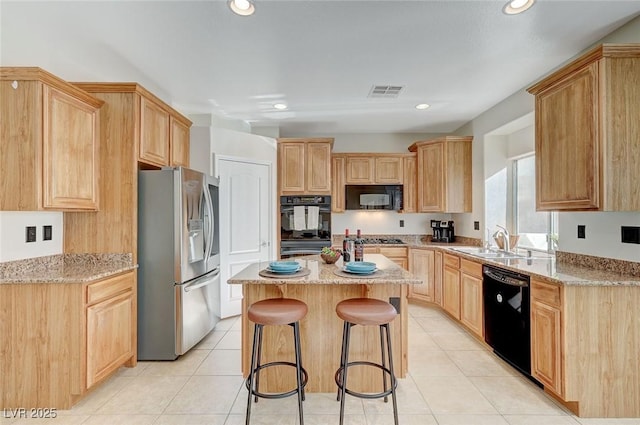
(366, 312)
(275, 311)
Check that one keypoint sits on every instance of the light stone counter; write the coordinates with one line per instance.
(323, 274)
(548, 267)
(65, 268)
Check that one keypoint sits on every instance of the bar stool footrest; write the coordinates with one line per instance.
(394, 382)
(273, 396)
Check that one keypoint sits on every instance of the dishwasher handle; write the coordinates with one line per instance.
(506, 278)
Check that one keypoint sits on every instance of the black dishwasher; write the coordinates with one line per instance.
(506, 316)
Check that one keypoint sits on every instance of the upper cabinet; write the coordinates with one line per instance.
(367, 168)
(409, 193)
(49, 143)
(162, 135)
(444, 174)
(179, 141)
(587, 132)
(338, 201)
(304, 166)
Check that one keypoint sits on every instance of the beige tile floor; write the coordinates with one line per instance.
(453, 380)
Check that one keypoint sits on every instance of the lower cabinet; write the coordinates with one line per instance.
(70, 336)
(451, 285)
(111, 322)
(422, 266)
(471, 303)
(546, 343)
(397, 254)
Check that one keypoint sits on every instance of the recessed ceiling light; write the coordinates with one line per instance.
(517, 6)
(280, 106)
(242, 7)
(422, 106)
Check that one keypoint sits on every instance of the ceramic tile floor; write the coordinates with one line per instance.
(452, 380)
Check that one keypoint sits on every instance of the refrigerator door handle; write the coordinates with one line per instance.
(209, 215)
(203, 281)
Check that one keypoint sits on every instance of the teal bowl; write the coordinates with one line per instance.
(360, 266)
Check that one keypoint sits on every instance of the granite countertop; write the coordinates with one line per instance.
(324, 274)
(65, 268)
(547, 267)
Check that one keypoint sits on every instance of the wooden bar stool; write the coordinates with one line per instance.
(275, 311)
(366, 312)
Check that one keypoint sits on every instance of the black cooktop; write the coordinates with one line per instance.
(384, 241)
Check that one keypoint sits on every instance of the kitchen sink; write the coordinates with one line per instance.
(496, 254)
(487, 252)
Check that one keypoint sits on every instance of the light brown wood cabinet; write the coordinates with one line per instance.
(422, 265)
(587, 132)
(409, 192)
(367, 168)
(49, 139)
(72, 336)
(360, 170)
(304, 166)
(546, 342)
(179, 142)
(111, 317)
(338, 201)
(471, 301)
(388, 170)
(451, 285)
(397, 254)
(123, 122)
(444, 174)
(437, 279)
(162, 133)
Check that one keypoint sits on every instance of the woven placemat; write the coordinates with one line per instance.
(374, 275)
(300, 273)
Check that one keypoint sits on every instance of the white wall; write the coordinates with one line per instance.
(366, 142)
(13, 233)
(383, 222)
(605, 226)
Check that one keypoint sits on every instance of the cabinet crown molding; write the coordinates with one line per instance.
(131, 87)
(45, 77)
(446, 139)
(631, 50)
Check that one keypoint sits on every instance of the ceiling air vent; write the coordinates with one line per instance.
(385, 91)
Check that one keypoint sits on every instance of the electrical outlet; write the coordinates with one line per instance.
(630, 234)
(401, 223)
(395, 302)
(47, 233)
(582, 231)
(31, 234)
(476, 225)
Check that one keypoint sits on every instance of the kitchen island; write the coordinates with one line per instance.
(321, 330)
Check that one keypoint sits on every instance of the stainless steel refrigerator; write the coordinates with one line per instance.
(179, 261)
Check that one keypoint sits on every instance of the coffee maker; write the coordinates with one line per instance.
(442, 231)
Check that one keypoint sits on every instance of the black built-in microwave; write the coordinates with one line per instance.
(373, 197)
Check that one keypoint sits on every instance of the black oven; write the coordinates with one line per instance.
(305, 224)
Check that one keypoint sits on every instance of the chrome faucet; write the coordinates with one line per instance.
(505, 237)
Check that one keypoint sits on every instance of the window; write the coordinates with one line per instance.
(537, 230)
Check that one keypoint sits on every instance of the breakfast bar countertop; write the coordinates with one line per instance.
(324, 274)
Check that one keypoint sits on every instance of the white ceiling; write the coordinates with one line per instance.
(321, 57)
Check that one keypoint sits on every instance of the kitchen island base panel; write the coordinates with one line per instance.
(320, 333)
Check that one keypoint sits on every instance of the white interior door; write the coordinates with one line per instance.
(246, 234)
